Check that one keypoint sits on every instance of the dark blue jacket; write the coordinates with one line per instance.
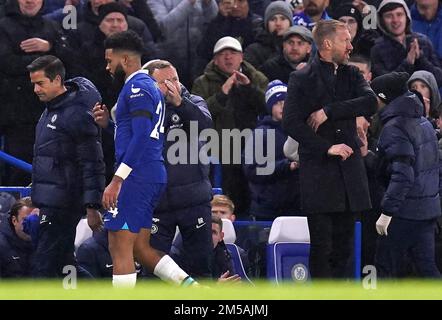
(68, 168)
(432, 29)
(93, 256)
(409, 158)
(278, 193)
(389, 55)
(188, 184)
(15, 253)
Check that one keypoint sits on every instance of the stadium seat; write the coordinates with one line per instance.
(83, 233)
(229, 240)
(229, 231)
(288, 250)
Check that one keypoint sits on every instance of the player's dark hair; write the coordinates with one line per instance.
(125, 41)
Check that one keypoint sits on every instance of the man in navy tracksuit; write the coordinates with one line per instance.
(93, 256)
(186, 201)
(68, 168)
(410, 165)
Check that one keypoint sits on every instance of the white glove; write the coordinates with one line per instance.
(291, 149)
(382, 224)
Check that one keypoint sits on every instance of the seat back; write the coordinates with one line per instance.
(237, 262)
(229, 231)
(288, 249)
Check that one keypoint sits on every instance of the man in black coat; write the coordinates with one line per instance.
(322, 104)
(68, 168)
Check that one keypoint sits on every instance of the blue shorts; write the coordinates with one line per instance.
(136, 203)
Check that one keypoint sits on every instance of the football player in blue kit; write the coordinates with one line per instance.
(140, 177)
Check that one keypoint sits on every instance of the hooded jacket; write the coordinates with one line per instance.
(409, 161)
(278, 193)
(68, 168)
(430, 81)
(389, 55)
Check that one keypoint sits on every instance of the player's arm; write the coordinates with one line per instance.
(141, 111)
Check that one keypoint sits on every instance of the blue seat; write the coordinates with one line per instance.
(229, 240)
(237, 261)
(288, 250)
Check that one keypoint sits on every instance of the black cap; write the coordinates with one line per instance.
(390, 86)
(347, 10)
(107, 8)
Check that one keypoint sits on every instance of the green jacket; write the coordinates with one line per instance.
(241, 107)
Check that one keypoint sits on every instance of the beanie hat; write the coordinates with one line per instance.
(278, 7)
(110, 7)
(347, 10)
(294, 4)
(390, 86)
(300, 31)
(276, 91)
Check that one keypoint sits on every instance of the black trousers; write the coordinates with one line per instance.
(195, 224)
(331, 243)
(56, 236)
(407, 240)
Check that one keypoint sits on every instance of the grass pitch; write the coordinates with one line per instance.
(156, 290)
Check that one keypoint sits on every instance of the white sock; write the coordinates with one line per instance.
(167, 270)
(125, 281)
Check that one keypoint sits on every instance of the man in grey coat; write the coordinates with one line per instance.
(182, 23)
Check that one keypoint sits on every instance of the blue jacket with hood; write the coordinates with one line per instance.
(409, 160)
(68, 167)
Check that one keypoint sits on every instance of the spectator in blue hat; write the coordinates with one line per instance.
(278, 193)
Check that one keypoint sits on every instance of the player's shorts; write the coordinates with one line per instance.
(136, 203)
